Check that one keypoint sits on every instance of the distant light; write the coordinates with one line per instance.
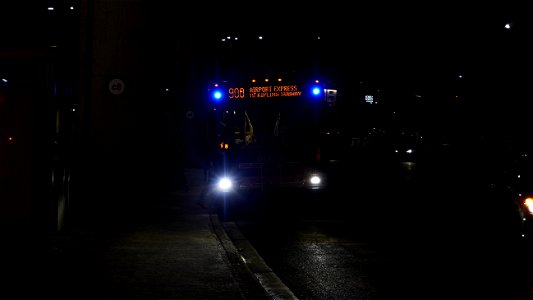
(266, 80)
(253, 80)
(166, 90)
(317, 81)
(316, 91)
(50, 8)
(217, 95)
(4, 80)
(460, 76)
(229, 37)
(279, 79)
(10, 138)
(318, 38)
(223, 39)
(508, 26)
(260, 37)
(72, 8)
(236, 38)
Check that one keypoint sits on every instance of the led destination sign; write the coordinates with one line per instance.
(265, 91)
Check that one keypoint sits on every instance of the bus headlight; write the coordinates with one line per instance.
(315, 180)
(224, 184)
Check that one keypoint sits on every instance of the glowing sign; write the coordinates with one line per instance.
(265, 91)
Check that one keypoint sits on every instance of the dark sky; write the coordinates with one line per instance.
(437, 34)
(379, 38)
(23, 24)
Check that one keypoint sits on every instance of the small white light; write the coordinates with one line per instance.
(50, 8)
(409, 151)
(260, 37)
(315, 179)
(72, 8)
(508, 26)
(4, 80)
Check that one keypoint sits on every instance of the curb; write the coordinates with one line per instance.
(242, 254)
(251, 288)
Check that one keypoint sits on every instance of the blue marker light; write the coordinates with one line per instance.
(316, 90)
(217, 95)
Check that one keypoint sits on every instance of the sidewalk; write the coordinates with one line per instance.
(175, 249)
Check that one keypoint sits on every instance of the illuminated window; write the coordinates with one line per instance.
(369, 99)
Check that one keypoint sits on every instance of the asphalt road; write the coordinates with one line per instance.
(433, 233)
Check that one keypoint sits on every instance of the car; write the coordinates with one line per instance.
(407, 145)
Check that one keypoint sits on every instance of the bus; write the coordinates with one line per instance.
(272, 133)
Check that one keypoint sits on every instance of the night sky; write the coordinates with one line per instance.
(389, 41)
(380, 38)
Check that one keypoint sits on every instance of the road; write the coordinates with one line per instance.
(414, 234)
